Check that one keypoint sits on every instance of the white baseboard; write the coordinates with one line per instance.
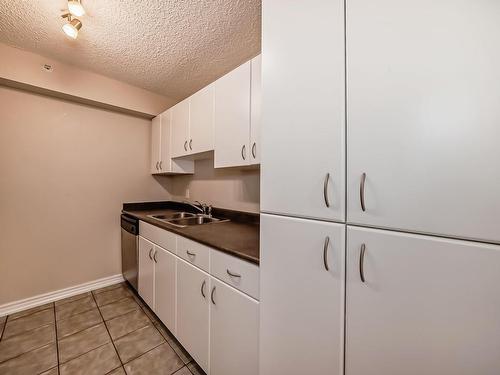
(41, 299)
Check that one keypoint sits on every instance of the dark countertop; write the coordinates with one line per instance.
(238, 237)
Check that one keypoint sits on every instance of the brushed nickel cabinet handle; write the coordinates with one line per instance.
(233, 274)
(161, 161)
(154, 257)
(203, 288)
(190, 253)
(185, 145)
(362, 262)
(362, 192)
(212, 295)
(190, 144)
(243, 152)
(150, 251)
(325, 253)
(157, 166)
(325, 190)
(254, 150)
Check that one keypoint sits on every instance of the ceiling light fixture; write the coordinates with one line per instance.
(75, 7)
(72, 27)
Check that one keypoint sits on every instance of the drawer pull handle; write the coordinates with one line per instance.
(154, 257)
(362, 262)
(325, 253)
(203, 288)
(157, 168)
(362, 191)
(185, 145)
(190, 144)
(212, 295)
(150, 251)
(233, 274)
(190, 253)
(325, 190)
(254, 147)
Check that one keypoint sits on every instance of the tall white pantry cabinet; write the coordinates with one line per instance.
(380, 171)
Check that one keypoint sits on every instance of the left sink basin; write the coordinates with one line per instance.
(173, 216)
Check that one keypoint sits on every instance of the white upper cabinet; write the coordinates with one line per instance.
(232, 118)
(201, 126)
(302, 296)
(161, 160)
(180, 129)
(255, 109)
(303, 131)
(156, 141)
(423, 116)
(427, 305)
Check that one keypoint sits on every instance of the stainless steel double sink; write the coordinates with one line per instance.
(186, 219)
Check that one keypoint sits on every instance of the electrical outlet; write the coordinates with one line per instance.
(187, 193)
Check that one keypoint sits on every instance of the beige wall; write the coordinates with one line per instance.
(227, 188)
(65, 170)
(26, 68)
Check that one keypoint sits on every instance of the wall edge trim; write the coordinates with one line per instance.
(41, 299)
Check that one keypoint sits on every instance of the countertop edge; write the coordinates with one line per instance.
(231, 252)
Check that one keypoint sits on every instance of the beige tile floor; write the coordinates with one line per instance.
(106, 331)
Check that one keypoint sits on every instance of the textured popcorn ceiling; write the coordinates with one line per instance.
(171, 47)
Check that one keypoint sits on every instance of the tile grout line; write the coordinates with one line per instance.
(143, 308)
(107, 330)
(149, 350)
(29, 351)
(3, 328)
(25, 316)
(87, 352)
(27, 331)
(57, 339)
(81, 296)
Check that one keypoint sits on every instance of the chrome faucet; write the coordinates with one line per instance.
(202, 207)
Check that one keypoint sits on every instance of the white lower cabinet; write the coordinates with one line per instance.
(164, 287)
(216, 323)
(193, 289)
(301, 296)
(427, 305)
(146, 271)
(234, 331)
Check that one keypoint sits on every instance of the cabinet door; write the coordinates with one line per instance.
(255, 109)
(155, 144)
(201, 127)
(167, 164)
(165, 157)
(423, 116)
(234, 331)
(164, 289)
(427, 306)
(303, 132)
(193, 293)
(301, 301)
(180, 128)
(146, 272)
(232, 118)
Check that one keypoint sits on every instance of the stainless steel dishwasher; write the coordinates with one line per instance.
(130, 249)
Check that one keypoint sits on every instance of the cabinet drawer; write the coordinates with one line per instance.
(193, 252)
(159, 236)
(245, 274)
